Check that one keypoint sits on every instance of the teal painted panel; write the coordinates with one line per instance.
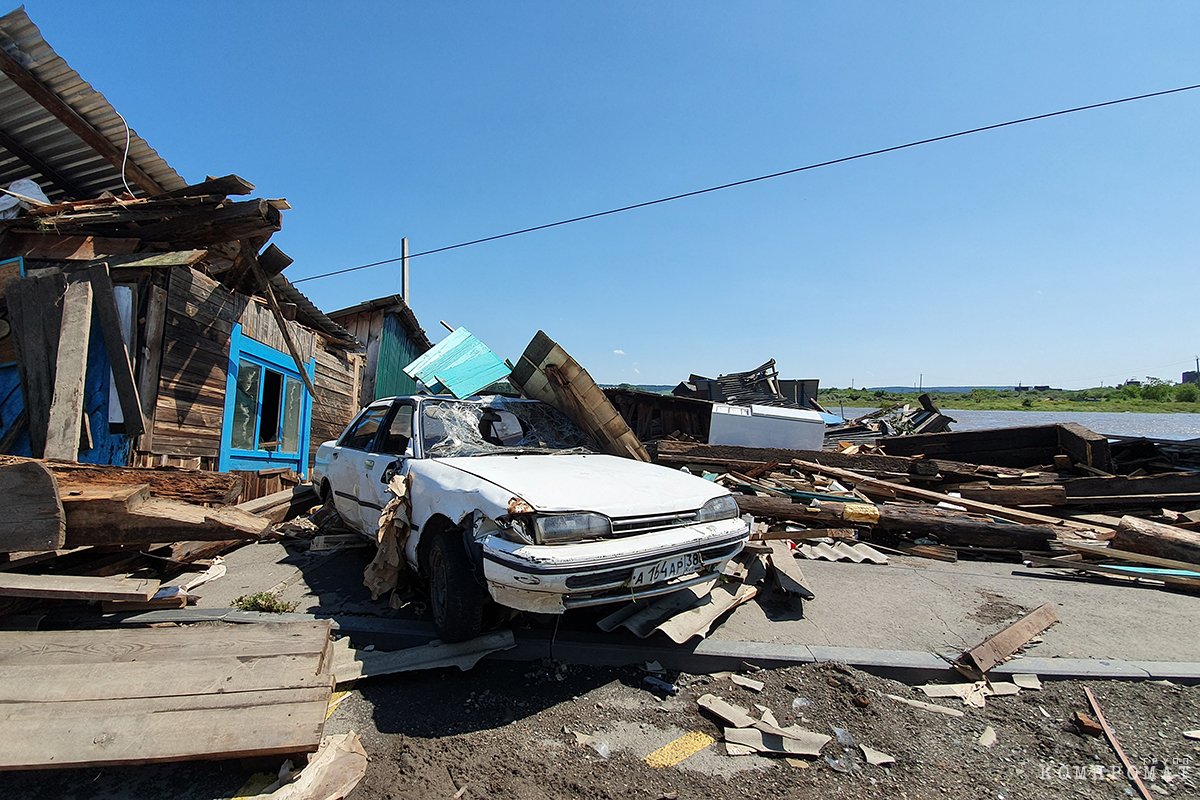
(396, 351)
(460, 364)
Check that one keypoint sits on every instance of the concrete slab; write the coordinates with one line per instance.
(942, 608)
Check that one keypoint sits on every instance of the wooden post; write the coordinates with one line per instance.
(151, 362)
(67, 408)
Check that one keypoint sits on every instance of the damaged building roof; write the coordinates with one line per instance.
(53, 121)
(394, 303)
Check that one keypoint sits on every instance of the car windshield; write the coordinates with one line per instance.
(498, 426)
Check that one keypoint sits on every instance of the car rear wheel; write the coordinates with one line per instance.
(456, 598)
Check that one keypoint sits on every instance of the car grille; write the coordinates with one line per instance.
(632, 526)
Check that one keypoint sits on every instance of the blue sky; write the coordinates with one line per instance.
(1059, 252)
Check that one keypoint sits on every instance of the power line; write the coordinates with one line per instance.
(746, 181)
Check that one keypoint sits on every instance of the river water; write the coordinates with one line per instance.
(1130, 423)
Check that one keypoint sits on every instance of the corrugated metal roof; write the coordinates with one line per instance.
(47, 138)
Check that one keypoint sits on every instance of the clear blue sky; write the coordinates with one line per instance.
(1058, 252)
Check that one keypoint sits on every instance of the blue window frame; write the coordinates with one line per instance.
(268, 410)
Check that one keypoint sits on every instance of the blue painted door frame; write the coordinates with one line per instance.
(243, 348)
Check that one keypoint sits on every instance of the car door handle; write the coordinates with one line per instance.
(334, 457)
(369, 464)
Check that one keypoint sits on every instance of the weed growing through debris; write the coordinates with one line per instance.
(264, 601)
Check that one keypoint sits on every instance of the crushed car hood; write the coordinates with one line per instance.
(616, 487)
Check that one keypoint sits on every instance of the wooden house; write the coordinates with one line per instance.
(145, 320)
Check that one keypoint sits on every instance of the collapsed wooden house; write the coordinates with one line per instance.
(144, 320)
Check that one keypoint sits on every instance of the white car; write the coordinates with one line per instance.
(509, 502)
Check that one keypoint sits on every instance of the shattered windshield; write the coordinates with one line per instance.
(457, 428)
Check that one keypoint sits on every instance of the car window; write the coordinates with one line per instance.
(362, 435)
(399, 432)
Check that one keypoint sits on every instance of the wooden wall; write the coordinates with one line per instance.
(190, 407)
(338, 379)
(367, 327)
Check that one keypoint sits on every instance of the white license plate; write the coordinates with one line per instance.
(666, 569)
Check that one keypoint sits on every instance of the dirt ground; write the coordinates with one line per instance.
(508, 730)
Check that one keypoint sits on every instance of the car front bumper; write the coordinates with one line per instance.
(553, 578)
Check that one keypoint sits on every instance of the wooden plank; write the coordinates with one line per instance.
(104, 304)
(67, 409)
(1182, 581)
(75, 587)
(999, 646)
(35, 309)
(301, 367)
(127, 516)
(33, 516)
(163, 645)
(1131, 771)
(1050, 495)
(150, 364)
(282, 505)
(866, 485)
(1114, 554)
(208, 674)
(220, 187)
(48, 247)
(144, 731)
(807, 533)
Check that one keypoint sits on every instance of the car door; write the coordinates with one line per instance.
(349, 460)
(393, 449)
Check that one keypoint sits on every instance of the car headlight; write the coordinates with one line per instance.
(724, 507)
(554, 528)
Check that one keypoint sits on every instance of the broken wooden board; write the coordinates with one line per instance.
(283, 505)
(127, 514)
(1156, 539)
(999, 646)
(34, 517)
(546, 372)
(75, 587)
(66, 408)
(351, 665)
(137, 696)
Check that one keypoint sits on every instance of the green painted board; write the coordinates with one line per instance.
(460, 364)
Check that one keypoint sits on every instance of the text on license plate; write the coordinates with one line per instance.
(666, 569)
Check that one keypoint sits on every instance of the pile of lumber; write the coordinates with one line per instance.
(108, 534)
(1066, 513)
(146, 695)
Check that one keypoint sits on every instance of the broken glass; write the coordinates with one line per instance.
(499, 425)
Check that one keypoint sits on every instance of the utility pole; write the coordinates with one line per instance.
(921, 383)
(404, 271)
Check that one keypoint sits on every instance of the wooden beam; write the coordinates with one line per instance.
(33, 516)
(105, 306)
(74, 587)
(54, 247)
(67, 408)
(1114, 554)
(273, 304)
(1156, 539)
(866, 485)
(1131, 771)
(151, 362)
(999, 646)
(47, 99)
(127, 515)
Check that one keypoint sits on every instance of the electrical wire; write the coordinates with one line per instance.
(746, 181)
(125, 157)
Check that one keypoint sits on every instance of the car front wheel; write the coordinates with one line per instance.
(456, 598)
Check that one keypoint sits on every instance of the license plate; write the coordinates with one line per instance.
(666, 569)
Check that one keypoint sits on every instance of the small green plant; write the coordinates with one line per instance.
(264, 601)
(1187, 393)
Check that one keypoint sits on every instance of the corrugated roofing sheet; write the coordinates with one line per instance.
(39, 132)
